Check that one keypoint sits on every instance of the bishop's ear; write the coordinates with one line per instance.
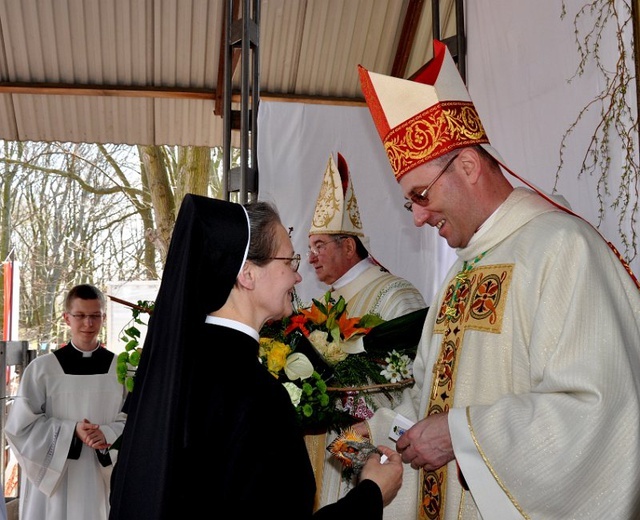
(470, 162)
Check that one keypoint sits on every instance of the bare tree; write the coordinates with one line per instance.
(79, 213)
(7, 180)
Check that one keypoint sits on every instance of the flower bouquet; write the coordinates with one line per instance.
(350, 357)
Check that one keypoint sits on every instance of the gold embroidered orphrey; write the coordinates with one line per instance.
(475, 299)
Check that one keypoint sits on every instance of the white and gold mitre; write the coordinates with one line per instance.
(336, 210)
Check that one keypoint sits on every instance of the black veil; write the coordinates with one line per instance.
(208, 247)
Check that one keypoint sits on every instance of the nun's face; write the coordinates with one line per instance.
(280, 276)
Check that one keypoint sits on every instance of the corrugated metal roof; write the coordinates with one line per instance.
(146, 71)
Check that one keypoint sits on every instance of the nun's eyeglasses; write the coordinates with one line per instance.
(422, 198)
(294, 261)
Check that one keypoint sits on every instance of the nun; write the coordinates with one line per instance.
(209, 430)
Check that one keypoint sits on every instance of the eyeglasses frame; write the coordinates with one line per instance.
(83, 317)
(319, 246)
(295, 259)
(422, 198)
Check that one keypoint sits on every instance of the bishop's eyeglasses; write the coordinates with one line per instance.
(317, 248)
(422, 198)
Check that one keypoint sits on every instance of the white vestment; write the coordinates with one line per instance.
(374, 291)
(545, 420)
(40, 428)
(371, 291)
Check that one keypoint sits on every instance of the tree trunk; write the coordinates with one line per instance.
(194, 166)
(161, 196)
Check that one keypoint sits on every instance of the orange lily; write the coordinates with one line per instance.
(349, 326)
(298, 321)
(314, 315)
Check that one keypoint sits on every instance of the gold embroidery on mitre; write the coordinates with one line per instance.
(327, 204)
(351, 206)
(433, 132)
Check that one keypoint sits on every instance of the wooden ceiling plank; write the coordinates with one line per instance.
(62, 89)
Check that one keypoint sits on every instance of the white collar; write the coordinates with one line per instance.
(233, 324)
(352, 273)
(85, 353)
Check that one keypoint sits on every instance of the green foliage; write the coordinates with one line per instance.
(370, 321)
(129, 359)
(358, 375)
(275, 329)
(317, 408)
(357, 368)
(401, 334)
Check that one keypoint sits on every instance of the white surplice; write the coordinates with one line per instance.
(40, 428)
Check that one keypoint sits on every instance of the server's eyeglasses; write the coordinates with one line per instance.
(83, 317)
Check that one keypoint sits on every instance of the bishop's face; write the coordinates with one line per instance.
(327, 257)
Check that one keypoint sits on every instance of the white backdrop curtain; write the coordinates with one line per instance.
(295, 141)
(520, 57)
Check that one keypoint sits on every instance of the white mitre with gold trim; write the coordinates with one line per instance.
(337, 210)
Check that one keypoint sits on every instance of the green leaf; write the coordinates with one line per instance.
(334, 331)
(129, 384)
(131, 345)
(132, 332)
(401, 333)
(340, 306)
(134, 358)
(370, 320)
(321, 307)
